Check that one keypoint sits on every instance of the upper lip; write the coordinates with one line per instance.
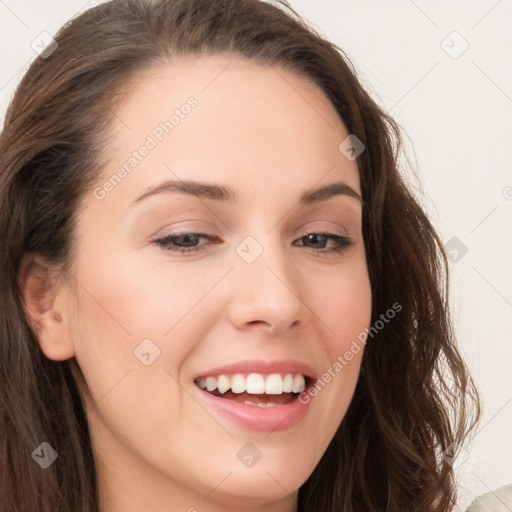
(261, 366)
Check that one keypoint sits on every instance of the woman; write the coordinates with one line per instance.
(219, 293)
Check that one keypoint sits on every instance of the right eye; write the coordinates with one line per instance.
(173, 242)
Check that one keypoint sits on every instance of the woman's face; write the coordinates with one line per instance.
(261, 291)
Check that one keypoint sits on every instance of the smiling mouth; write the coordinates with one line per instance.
(260, 400)
(256, 389)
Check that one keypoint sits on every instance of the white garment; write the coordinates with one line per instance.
(499, 500)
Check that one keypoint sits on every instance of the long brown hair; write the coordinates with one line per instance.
(414, 399)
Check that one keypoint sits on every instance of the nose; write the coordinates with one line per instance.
(267, 293)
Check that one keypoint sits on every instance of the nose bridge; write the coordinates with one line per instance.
(267, 288)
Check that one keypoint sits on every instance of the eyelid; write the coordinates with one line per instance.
(339, 230)
(169, 230)
(188, 229)
(324, 230)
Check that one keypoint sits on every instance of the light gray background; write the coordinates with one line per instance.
(457, 115)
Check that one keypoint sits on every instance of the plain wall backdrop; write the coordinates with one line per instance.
(443, 69)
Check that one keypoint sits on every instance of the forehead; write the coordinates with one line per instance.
(229, 80)
(231, 119)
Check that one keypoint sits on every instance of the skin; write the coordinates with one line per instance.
(269, 135)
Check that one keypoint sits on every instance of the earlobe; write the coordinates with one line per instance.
(40, 297)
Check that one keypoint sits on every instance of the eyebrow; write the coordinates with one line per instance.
(217, 192)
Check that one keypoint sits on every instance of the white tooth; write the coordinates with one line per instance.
(255, 384)
(248, 402)
(211, 383)
(288, 383)
(238, 383)
(299, 384)
(274, 384)
(223, 383)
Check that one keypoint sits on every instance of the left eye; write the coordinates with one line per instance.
(186, 242)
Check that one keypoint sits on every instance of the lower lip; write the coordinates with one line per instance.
(279, 417)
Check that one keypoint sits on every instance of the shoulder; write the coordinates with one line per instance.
(499, 500)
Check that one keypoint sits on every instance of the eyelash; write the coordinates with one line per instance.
(343, 241)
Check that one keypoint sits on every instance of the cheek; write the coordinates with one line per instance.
(141, 294)
(344, 309)
(344, 306)
(135, 321)
(130, 339)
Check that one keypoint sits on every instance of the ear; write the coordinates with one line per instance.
(44, 305)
